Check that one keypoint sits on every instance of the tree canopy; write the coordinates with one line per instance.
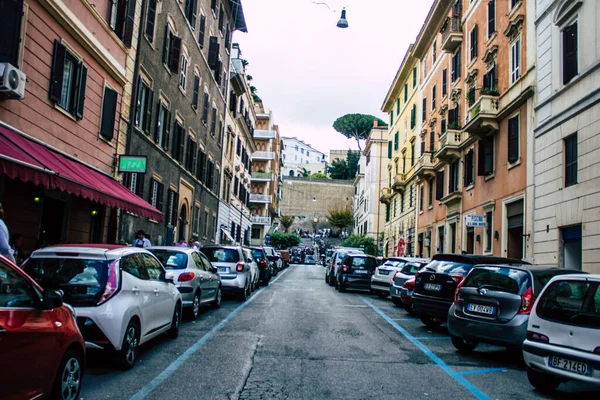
(286, 221)
(340, 217)
(318, 175)
(356, 126)
(366, 242)
(281, 240)
(345, 169)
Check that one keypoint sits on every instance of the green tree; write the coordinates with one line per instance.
(286, 221)
(340, 217)
(365, 242)
(318, 175)
(352, 159)
(281, 240)
(339, 169)
(304, 173)
(356, 126)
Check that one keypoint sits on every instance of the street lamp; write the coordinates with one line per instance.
(343, 23)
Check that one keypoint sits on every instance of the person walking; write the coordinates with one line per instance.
(142, 240)
(5, 248)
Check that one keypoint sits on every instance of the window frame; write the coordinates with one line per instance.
(570, 143)
(566, 79)
(514, 72)
(514, 158)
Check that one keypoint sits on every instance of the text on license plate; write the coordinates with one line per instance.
(480, 309)
(569, 365)
(361, 271)
(433, 286)
(224, 269)
(384, 272)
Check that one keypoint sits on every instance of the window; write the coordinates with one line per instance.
(456, 66)
(513, 139)
(432, 141)
(414, 78)
(143, 108)
(489, 227)
(515, 60)
(190, 12)
(430, 194)
(413, 116)
(210, 170)
(191, 155)
(424, 68)
(474, 43)
(453, 177)
(403, 163)
(401, 204)
(397, 107)
(439, 185)
(434, 52)
(421, 197)
(202, 31)
(443, 127)
(453, 117)
(513, 3)
(68, 81)
(221, 18)
(163, 124)
(396, 140)
(424, 110)
(213, 52)
(410, 197)
(213, 6)
(489, 81)
(469, 163)
(172, 205)
(433, 90)
(213, 122)
(491, 17)
(205, 107)
(178, 142)
(412, 154)
(205, 225)
(423, 144)
(156, 194)
(444, 82)
(171, 50)
(134, 182)
(485, 162)
(391, 117)
(183, 72)
(10, 31)
(109, 110)
(17, 291)
(571, 160)
(151, 20)
(196, 89)
(122, 16)
(569, 52)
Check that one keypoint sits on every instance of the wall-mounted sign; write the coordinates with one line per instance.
(132, 164)
(473, 220)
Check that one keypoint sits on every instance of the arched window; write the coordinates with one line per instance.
(291, 173)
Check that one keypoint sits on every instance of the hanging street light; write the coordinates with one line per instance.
(343, 23)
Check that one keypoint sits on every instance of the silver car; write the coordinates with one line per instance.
(237, 268)
(408, 271)
(196, 278)
(381, 281)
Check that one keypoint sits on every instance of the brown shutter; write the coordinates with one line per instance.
(150, 19)
(109, 110)
(10, 31)
(129, 22)
(439, 185)
(175, 53)
(213, 52)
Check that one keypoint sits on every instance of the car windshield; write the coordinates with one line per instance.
(411, 268)
(258, 254)
(503, 279)
(448, 267)
(82, 281)
(364, 262)
(571, 302)
(216, 254)
(171, 259)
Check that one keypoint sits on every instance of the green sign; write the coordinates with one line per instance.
(132, 164)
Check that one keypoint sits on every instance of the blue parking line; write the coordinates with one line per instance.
(482, 371)
(170, 370)
(432, 337)
(453, 374)
(405, 319)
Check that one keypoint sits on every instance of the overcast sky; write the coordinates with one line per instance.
(309, 72)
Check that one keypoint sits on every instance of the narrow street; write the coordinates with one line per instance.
(300, 339)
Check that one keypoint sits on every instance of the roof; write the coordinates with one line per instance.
(534, 268)
(284, 138)
(478, 259)
(172, 248)
(93, 250)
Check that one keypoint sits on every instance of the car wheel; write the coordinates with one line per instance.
(127, 356)
(194, 310)
(397, 302)
(243, 295)
(67, 384)
(463, 345)
(542, 382)
(173, 331)
(431, 322)
(218, 297)
(409, 309)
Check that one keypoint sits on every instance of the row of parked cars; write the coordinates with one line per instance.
(551, 315)
(67, 299)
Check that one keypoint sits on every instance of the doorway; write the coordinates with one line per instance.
(182, 223)
(51, 226)
(453, 237)
(571, 247)
(441, 247)
(470, 240)
(514, 215)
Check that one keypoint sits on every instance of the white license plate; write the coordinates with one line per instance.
(569, 365)
(384, 272)
(480, 309)
(224, 269)
(361, 271)
(435, 287)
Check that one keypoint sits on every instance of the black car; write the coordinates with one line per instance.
(355, 272)
(264, 266)
(436, 283)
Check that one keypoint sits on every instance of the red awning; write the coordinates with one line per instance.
(27, 160)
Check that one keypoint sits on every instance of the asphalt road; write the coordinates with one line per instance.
(298, 338)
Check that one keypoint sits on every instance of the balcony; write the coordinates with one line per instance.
(399, 183)
(385, 195)
(452, 201)
(264, 134)
(261, 198)
(263, 155)
(450, 143)
(261, 220)
(452, 35)
(425, 166)
(262, 177)
(482, 117)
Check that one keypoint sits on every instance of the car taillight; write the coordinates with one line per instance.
(538, 337)
(597, 350)
(240, 267)
(394, 277)
(458, 287)
(186, 277)
(345, 268)
(262, 263)
(409, 284)
(527, 300)
(112, 283)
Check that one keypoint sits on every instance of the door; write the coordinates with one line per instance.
(204, 278)
(514, 213)
(163, 298)
(51, 226)
(137, 286)
(470, 240)
(214, 278)
(28, 337)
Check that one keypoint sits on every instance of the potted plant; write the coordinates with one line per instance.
(454, 126)
(471, 97)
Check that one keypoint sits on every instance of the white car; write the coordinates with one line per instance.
(237, 267)
(121, 296)
(563, 333)
(382, 280)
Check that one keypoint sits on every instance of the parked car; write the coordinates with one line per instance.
(121, 294)
(336, 262)
(265, 268)
(328, 256)
(406, 295)
(355, 272)
(403, 275)
(237, 268)
(562, 333)
(492, 304)
(196, 278)
(274, 259)
(382, 280)
(436, 283)
(285, 257)
(42, 350)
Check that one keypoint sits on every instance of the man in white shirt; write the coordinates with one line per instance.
(141, 240)
(5, 248)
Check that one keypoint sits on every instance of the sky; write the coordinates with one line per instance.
(308, 72)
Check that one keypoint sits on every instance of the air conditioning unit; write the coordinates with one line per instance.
(12, 82)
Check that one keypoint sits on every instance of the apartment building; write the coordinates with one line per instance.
(299, 156)
(567, 172)
(399, 193)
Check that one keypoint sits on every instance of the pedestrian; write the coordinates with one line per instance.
(16, 240)
(196, 245)
(5, 248)
(142, 240)
(181, 243)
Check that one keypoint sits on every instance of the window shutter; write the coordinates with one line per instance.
(431, 141)
(81, 84)
(127, 180)
(213, 52)
(396, 140)
(489, 155)
(474, 43)
(58, 66)
(175, 54)
(444, 81)
(159, 197)
(439, 185)
(139, 184)
(158, 122)
(150, 19)
(205, 108)
(513, 139)
(424, 112)
(213, 122)
(389, 149)
(491, 17)
(167, 131)
(10, 30)
(201, 31)
(569, 53)
(201, 166)
(188, 154)
(227, 38)
(167, 45)
(194, 152)
(129, 22)
(148, 111)
(195, 96)
(109, 109)
(193, 10)
(174, 209)
(175, 144)
(458, 64)
(221, 15)
(481, 159)
(181, 141)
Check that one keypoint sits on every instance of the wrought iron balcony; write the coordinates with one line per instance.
(262, 176)
(261, 220)
(425, 167)
(450, 142)
(264, 134)
(263, 155)
(452, 35)
(482, 117)
(399, 183)
(385, 195)
(261, 198)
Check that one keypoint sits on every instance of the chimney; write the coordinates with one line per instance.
(375, 123)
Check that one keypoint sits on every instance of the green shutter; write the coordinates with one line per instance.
(389, 149)
(414, 77)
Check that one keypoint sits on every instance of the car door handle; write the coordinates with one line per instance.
(135, 290)
(156, 291)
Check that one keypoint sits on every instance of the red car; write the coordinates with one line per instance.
(41, 347)
(406, 295)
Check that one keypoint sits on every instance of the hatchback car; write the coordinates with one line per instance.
(406, 293)
(562, 333)
(237, 268)
(336, 262)
(265, 267)
(382, 280)
(436, 283)
(355, 272)
(274, 259)
(403, 275)
(493, 303)
(42, 350)
(121, 294)
(196, 278)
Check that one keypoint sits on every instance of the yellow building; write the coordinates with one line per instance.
(400, 193)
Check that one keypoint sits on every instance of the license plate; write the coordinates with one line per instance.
(384, 272)
(569, 365)
(478, 308)
(224, 269)
(436, 287)
(409, 293)
(361, 271)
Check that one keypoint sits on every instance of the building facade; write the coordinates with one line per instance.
(567, 172)
(299, 156)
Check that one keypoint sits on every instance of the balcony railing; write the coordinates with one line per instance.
(264, 134)
(452, 35)
(425, 167)
(450, 144)
(261, 220)
(261, 198)
(385, 195)
(482, 117)
(399, 183)
(262, 176)
(263, 155)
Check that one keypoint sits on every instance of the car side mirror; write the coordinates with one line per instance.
(51, 300)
